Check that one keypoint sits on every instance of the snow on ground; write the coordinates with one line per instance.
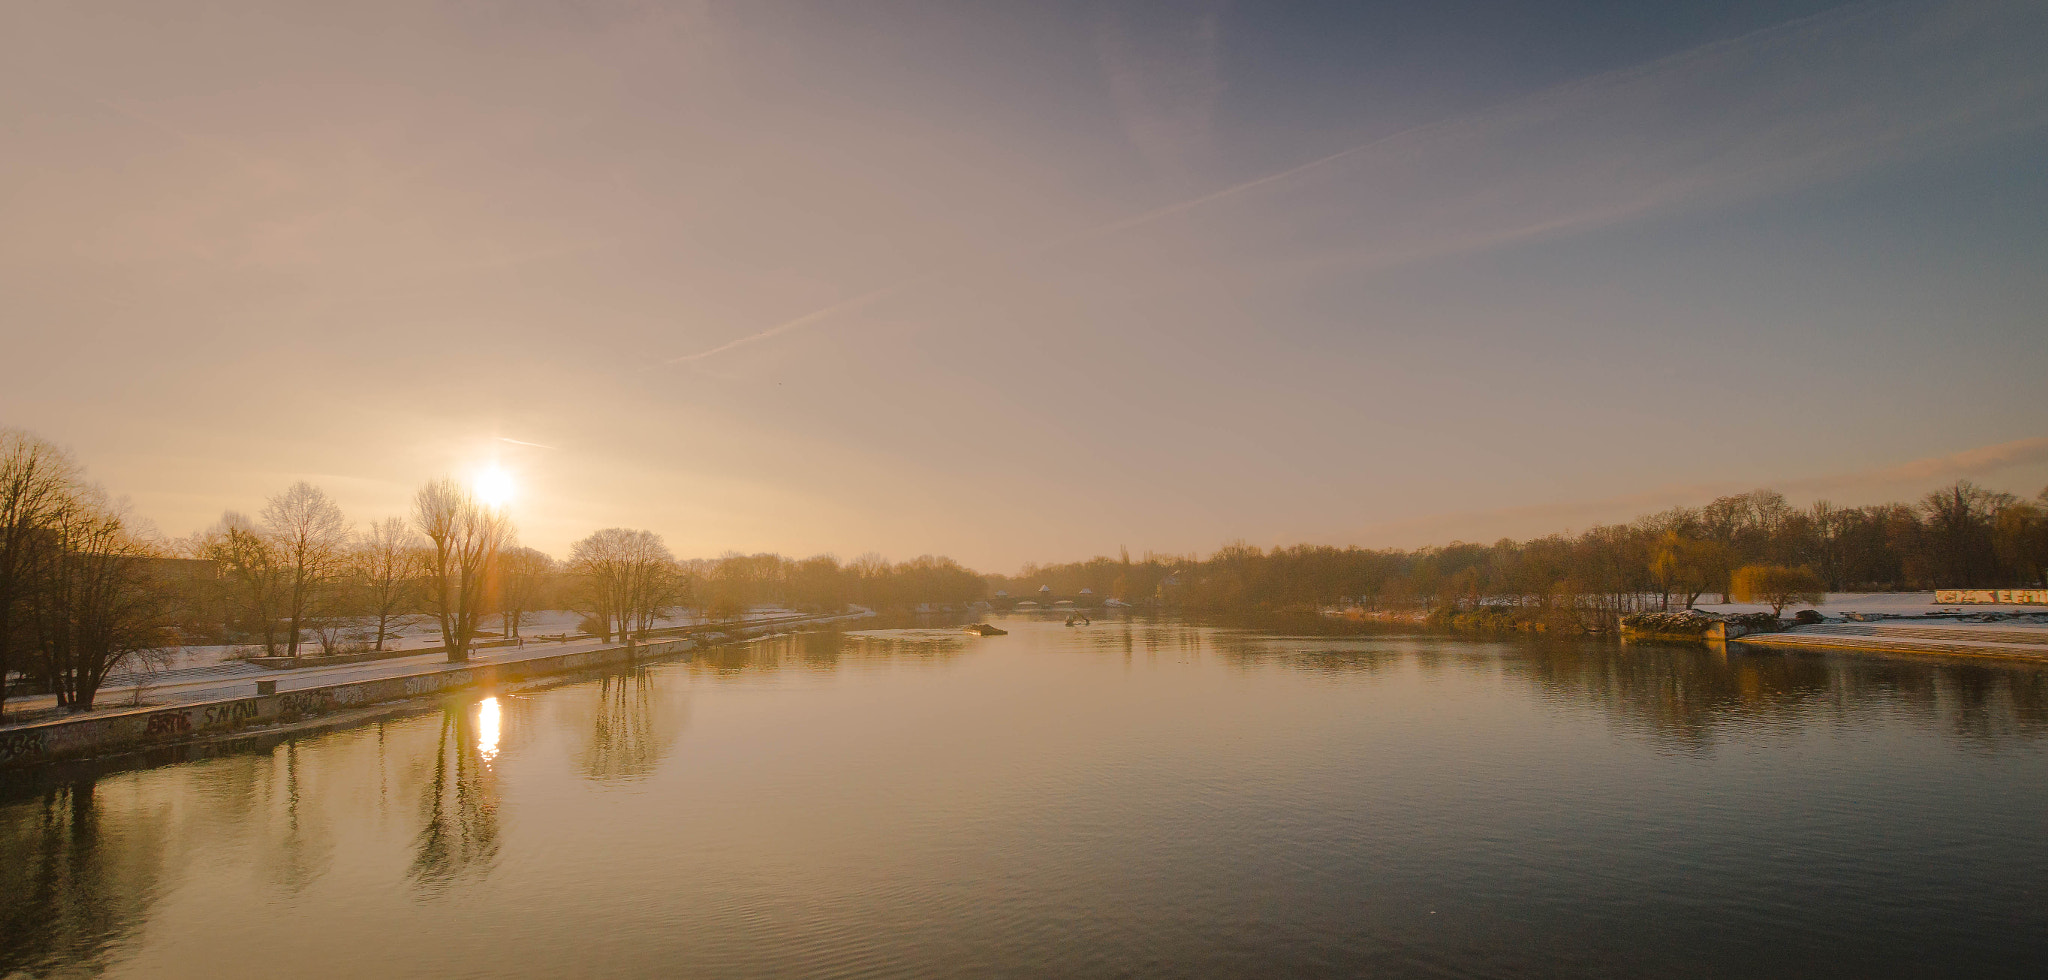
(1895, 603)
(421, 632)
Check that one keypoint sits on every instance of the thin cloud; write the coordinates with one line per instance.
(1979, 462)
(1097, 232)
(1790, 105)
(1854, 488)
(1794, 103)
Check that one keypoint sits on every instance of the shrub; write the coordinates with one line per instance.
(1755, 622)
(1684, 623)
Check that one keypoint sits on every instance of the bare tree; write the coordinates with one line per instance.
(387, 563)
(2021, 539)
(35, 483)
(1959, 533)
(629, 577)
(251, 568)
(311, 538)
(465, 539)
(524, 575)
(95, 602)
(666, 587)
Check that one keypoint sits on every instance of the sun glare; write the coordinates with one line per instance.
(487, 728)
(493, 486)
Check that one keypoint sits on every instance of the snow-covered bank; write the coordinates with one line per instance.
(1892, 603)
(413, 632)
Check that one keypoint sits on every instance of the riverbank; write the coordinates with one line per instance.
(2003, 641)
(155, 727)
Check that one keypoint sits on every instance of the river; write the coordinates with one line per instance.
(1127, 799)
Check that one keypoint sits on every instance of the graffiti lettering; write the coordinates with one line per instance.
(434, 682)
(305, 702)
(168, 723)
(1969, 596)
(20, 745)
(230, 714)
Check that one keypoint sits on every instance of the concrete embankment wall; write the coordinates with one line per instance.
(140, 729)
(146, 728)
(1963, 645)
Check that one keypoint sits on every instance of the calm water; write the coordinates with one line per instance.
(1143, 800)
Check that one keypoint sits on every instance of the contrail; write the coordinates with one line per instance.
(843, 306)
(522, 442)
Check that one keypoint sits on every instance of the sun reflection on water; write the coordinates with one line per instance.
(487, 728)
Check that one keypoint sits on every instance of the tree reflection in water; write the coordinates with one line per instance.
(1689, 694)
(631, 729)
(71, 888)
(85, 865)
(460, 805)
(304, 845)
(1128, 638)
(830, 650)
(821, 649)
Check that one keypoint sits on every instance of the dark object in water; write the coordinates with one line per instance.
(984, 629)
(1079, 619)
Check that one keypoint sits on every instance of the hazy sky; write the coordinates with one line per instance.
(1028, 281)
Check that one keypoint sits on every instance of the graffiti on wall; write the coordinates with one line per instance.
(429, 683)
(168, 723)
(230, 715)
(314, 702)
(1966, 597)
(21, 745)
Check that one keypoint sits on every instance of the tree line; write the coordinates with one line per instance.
(823, 583)
(76, 592)
(1962, 536)
(86, 588)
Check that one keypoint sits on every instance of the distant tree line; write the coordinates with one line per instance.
(1961, 536)
(822, 584)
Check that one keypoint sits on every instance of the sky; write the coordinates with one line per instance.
(1028, 281)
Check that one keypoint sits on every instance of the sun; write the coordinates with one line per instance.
(493, 486)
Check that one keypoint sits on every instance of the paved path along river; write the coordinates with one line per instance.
(231, 679)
